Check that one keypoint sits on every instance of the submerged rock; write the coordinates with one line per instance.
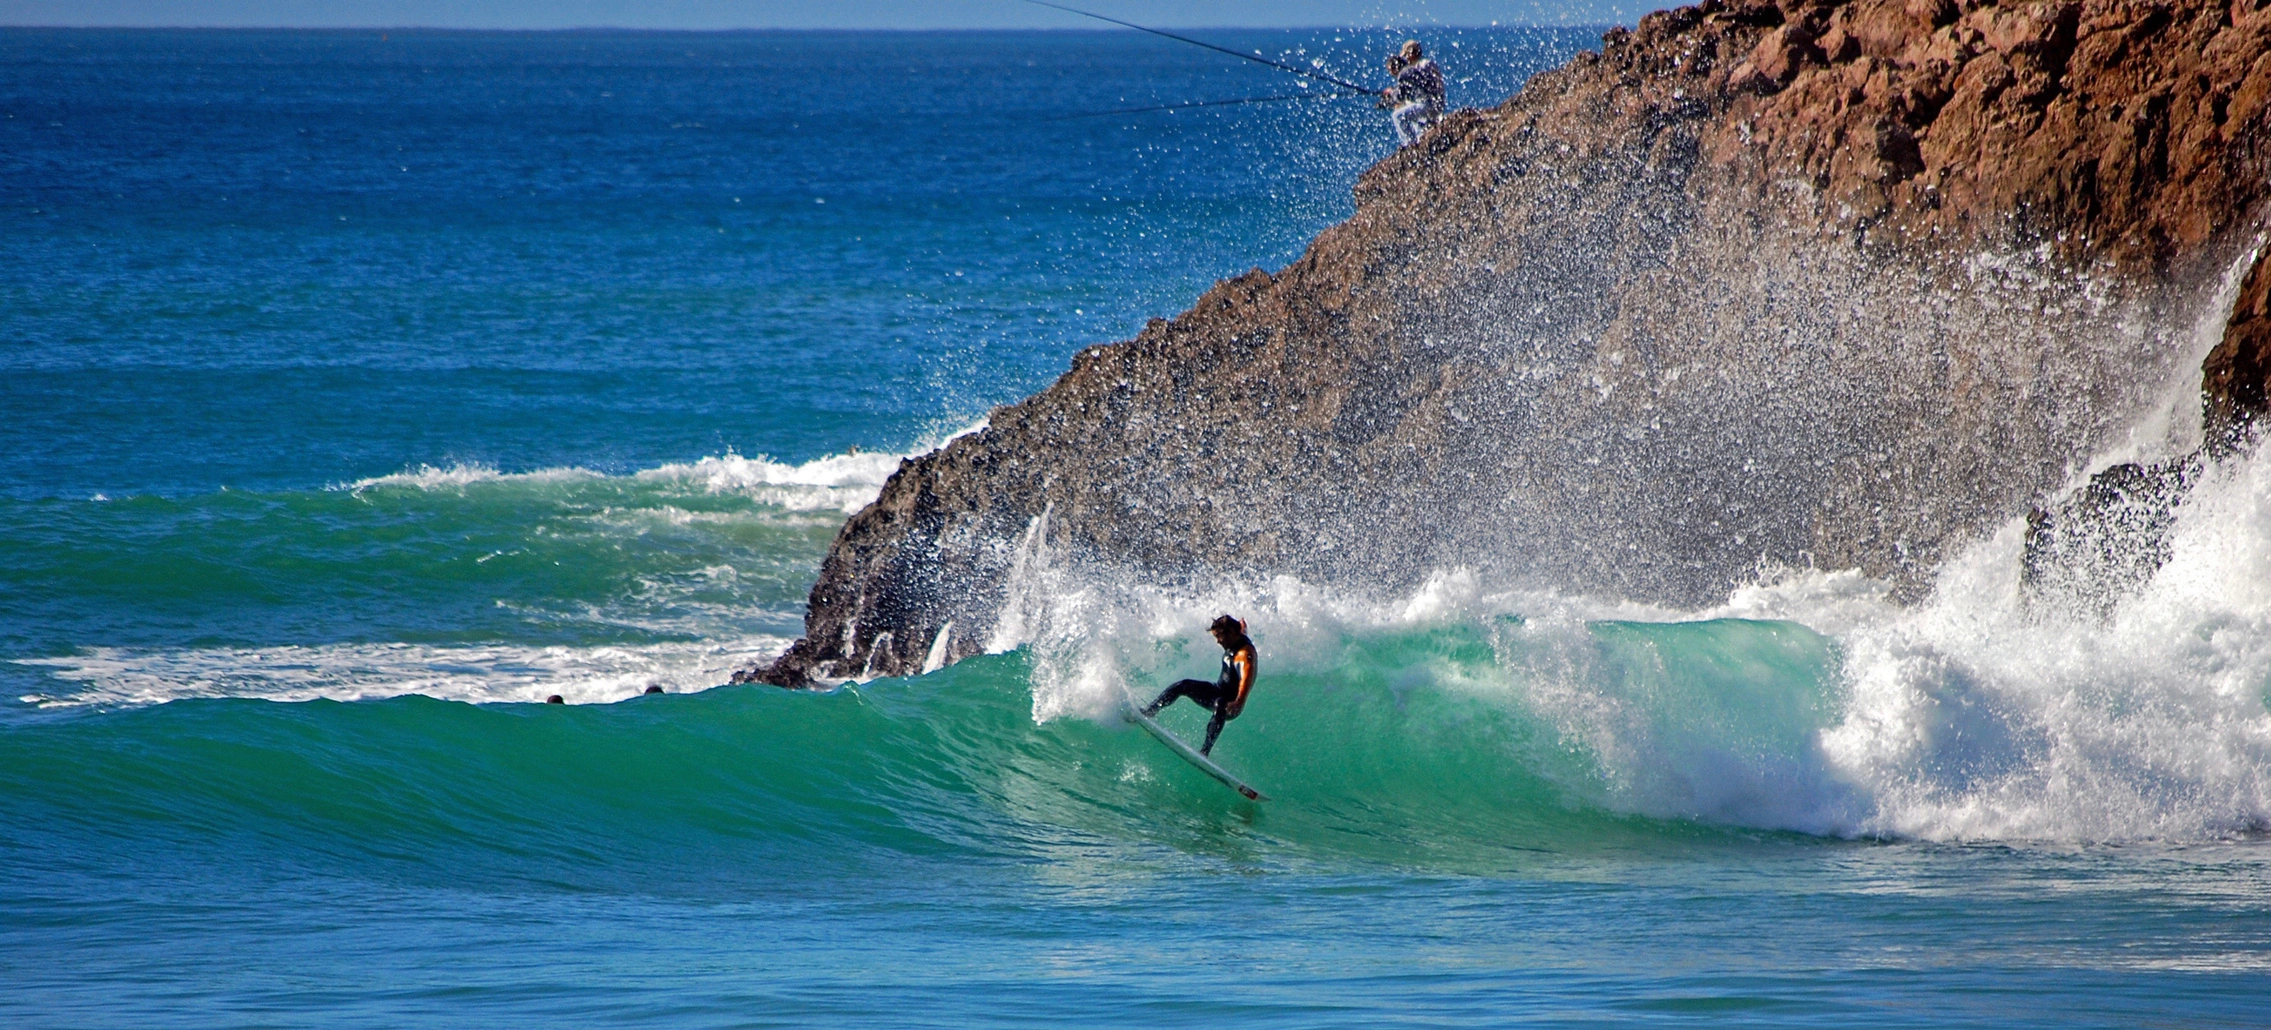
(1833, 283)
(2105, 539)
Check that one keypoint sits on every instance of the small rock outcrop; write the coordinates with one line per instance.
(1834, 282)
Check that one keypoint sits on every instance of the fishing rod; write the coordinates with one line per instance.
(1256, 58)
(1192, 103)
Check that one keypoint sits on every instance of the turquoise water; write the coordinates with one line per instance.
(364, 391)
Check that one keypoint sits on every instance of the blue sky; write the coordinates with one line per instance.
(849, 14)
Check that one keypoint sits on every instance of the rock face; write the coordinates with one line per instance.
(1834, 282)
(2237, 386)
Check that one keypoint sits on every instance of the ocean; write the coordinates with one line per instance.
(363, 389)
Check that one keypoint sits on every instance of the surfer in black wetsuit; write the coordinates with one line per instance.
(1226, 696)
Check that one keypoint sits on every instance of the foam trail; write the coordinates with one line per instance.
(478, 674)
(460, 476)
(600, 510)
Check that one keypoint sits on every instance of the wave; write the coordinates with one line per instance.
(461, 583)
(843, 482)
(1808, 701)
(1458, 727)
(746, 777)
(1464, 724)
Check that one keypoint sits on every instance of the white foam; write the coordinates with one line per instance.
(843, 482)
(460, 476)
(1971, 717)
(1090, 631)
(476, 673)
(1974, 716)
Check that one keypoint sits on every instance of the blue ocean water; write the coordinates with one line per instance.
(363, 389)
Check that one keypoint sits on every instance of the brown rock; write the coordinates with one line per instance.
(1779, 57)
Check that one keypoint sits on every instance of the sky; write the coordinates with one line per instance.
(808, 14)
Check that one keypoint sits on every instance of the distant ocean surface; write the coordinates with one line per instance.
(359, 390)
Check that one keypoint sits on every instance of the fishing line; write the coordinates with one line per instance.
(1193, 103)
(1303, 72)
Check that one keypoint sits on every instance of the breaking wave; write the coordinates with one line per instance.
(1807, 702)
(837, 482)
(840, 482)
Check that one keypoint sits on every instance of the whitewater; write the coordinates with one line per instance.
(382, 388)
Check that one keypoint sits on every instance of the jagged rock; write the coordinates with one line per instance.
(2237, 387)
(1818, 281)
(2107, 538)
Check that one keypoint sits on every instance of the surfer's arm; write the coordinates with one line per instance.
(1245, 662)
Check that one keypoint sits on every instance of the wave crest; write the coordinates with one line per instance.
(843, 482)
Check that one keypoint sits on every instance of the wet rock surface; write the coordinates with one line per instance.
(2095, 544)
(2237, 381)
(1838, 283)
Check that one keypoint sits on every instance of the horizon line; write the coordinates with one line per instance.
(784, 29)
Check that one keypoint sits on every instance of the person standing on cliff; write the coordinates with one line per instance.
(1418, 95)
(1226, 696)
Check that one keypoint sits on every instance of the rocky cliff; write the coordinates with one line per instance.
(1846, 283)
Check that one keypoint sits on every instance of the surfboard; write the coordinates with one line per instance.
(1190, 754)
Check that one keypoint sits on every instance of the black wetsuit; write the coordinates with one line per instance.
(1214, 697)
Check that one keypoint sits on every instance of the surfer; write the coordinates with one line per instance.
(1418, 94)
(1226, 696)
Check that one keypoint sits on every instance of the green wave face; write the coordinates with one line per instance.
(1426, 749)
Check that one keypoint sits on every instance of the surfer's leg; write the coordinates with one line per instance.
(1182, 688)
(1214, 727)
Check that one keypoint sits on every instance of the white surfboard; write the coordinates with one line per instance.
(1190, 754)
